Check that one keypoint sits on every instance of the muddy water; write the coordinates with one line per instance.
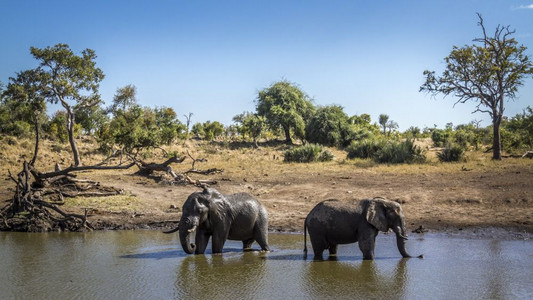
(151, 265)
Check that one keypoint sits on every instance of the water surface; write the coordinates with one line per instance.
(152, 265)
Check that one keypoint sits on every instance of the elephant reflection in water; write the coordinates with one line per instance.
(362, 279)
(220, 277)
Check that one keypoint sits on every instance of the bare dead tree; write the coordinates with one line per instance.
(28, 212)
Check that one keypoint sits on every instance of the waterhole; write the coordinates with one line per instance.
(152, 265)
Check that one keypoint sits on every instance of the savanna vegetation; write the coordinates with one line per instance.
(125, 134)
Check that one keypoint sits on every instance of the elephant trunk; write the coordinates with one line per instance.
(185, 238)
(401, 237)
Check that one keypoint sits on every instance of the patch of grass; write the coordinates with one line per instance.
(118, 203)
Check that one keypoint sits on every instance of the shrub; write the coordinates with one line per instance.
(400, 152)
(366, 148)
(440, 136)
(451, 153)
(308, 153)
(326, 155)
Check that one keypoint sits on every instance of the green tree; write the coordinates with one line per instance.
(198, 130)
(70, 80)
(125, 97)
(285, 106)
(328, 126)
(517, 132)
(363, 119)
(132, 130)
(168, 124)
(26, 104)
(250, 124)
(213, 130)
(488, 73)
(254, 125)
(91, 118)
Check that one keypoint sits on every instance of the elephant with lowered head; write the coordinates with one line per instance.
(212, 214)
(333, 222)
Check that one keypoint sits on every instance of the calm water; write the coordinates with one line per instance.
(151, 265)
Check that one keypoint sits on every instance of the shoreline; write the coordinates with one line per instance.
(504, 233)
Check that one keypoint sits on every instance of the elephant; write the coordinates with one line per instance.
(333, 222)
(212, 214)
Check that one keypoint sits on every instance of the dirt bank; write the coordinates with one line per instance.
(458, 201)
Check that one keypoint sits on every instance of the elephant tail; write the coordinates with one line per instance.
(305, 238)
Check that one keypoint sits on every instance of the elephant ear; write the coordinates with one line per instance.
(375, 215)
(216, 203)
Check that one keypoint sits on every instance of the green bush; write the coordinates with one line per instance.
(440, 137)
(366, 148)
(308, 153)
(451, 153)
(400, 152)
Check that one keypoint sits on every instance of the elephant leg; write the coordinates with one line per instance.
(218, 240)
(261, 236)
(201, 241)
(333, 249)
(247, 244)
(367, 244)
(318, 244)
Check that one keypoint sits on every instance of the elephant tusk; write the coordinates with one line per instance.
(192, 229)
(404, 237)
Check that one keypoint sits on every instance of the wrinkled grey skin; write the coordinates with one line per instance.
(332, 222)
(211, 214)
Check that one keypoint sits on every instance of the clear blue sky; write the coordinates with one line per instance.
(212, 57)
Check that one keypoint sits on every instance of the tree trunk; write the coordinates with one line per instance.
(496, 139)
(34, 158)
(288, 139)
(70, 127)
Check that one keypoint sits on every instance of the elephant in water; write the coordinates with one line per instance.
(212, 214)
(333, 222)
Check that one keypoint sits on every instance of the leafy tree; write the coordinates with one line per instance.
(213, 130)
(517, 132)
(91, 118)
(24, 99)
(252, 125)
(69, 79)
(328, 126)
(125, 97)
(198, 130)
(56, 127)
(363, 119)
(26, 106)
(488, 73)
(168, 124)
(131, 129)
(284, 105)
